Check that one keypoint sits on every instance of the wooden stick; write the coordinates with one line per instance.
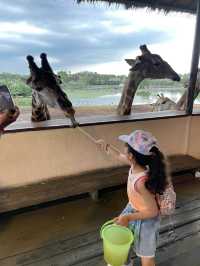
(87, 135)
(93, 139)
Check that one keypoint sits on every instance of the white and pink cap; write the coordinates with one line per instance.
(141, 141)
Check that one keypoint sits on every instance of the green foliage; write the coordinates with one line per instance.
(86, 85)
(86, 78)
(23, 101)
(16, 84)
(163, 83)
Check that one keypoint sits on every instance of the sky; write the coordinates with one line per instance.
(90, 37)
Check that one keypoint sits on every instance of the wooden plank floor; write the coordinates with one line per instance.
(68, 233)
(20, 193)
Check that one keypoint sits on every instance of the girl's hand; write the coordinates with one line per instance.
(122, 220)
(102, 144)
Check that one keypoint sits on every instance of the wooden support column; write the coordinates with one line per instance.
(195, 63)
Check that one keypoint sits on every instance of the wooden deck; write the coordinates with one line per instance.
(68, 233)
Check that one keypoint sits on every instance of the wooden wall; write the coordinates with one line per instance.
(32, 156)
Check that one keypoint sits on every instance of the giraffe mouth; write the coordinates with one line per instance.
(176, 78)
(74, 123)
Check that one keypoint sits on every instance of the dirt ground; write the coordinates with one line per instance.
(91, 111)
(85, 111)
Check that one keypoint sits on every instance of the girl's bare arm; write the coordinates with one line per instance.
(111, 150)
(150, 211)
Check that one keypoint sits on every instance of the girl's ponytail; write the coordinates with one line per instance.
(157, 172)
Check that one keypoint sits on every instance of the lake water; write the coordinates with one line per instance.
(113, 99)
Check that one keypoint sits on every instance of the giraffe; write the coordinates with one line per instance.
(181, 104)
(147, 65)
(164, 103)
(47, 91)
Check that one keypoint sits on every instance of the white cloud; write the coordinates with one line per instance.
(5, 48)
(21, 27)
(16, 33)
(117, 68)
(28, 28)
(11, 8)
(123, 29)
(141, 18)
(52, 60)
(14, 39)
(177, 51)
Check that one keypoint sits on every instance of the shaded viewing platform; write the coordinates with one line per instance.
(57, 187)
(68, 233)
(49, 218)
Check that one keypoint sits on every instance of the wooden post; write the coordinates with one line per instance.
(94, 195)
(195, 63)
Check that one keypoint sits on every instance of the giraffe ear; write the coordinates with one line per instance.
(131, 62)
(144, 49)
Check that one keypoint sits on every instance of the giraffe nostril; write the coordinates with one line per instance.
(176, 78)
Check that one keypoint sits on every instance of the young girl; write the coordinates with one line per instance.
(147, 177)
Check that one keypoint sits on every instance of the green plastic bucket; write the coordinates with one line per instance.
(117, 240)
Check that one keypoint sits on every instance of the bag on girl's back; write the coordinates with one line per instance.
(167, 200)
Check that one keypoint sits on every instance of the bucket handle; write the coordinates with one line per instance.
(104, 225)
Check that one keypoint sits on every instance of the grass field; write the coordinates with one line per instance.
(73, 94)
(91, 93)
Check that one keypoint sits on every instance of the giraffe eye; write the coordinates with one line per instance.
(157, 64)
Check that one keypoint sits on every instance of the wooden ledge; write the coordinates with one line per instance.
(91, 120)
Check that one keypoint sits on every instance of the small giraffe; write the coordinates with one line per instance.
(47, 91)
(147, 65)
(182, 102)
(163, 104)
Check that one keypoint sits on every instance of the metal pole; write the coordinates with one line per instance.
(195, 63)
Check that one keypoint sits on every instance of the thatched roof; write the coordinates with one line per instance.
(166, 5)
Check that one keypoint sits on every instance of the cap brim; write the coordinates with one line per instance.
(124, 138)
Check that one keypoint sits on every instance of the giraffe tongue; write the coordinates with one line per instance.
(74, 122)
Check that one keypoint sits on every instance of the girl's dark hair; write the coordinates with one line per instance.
(157, 173)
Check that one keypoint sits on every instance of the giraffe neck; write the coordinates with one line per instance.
(181, 104)
(130, 88)
(40, 111)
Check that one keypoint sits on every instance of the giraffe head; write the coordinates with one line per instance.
(152, 66)
(163, 104)
(48, 86)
